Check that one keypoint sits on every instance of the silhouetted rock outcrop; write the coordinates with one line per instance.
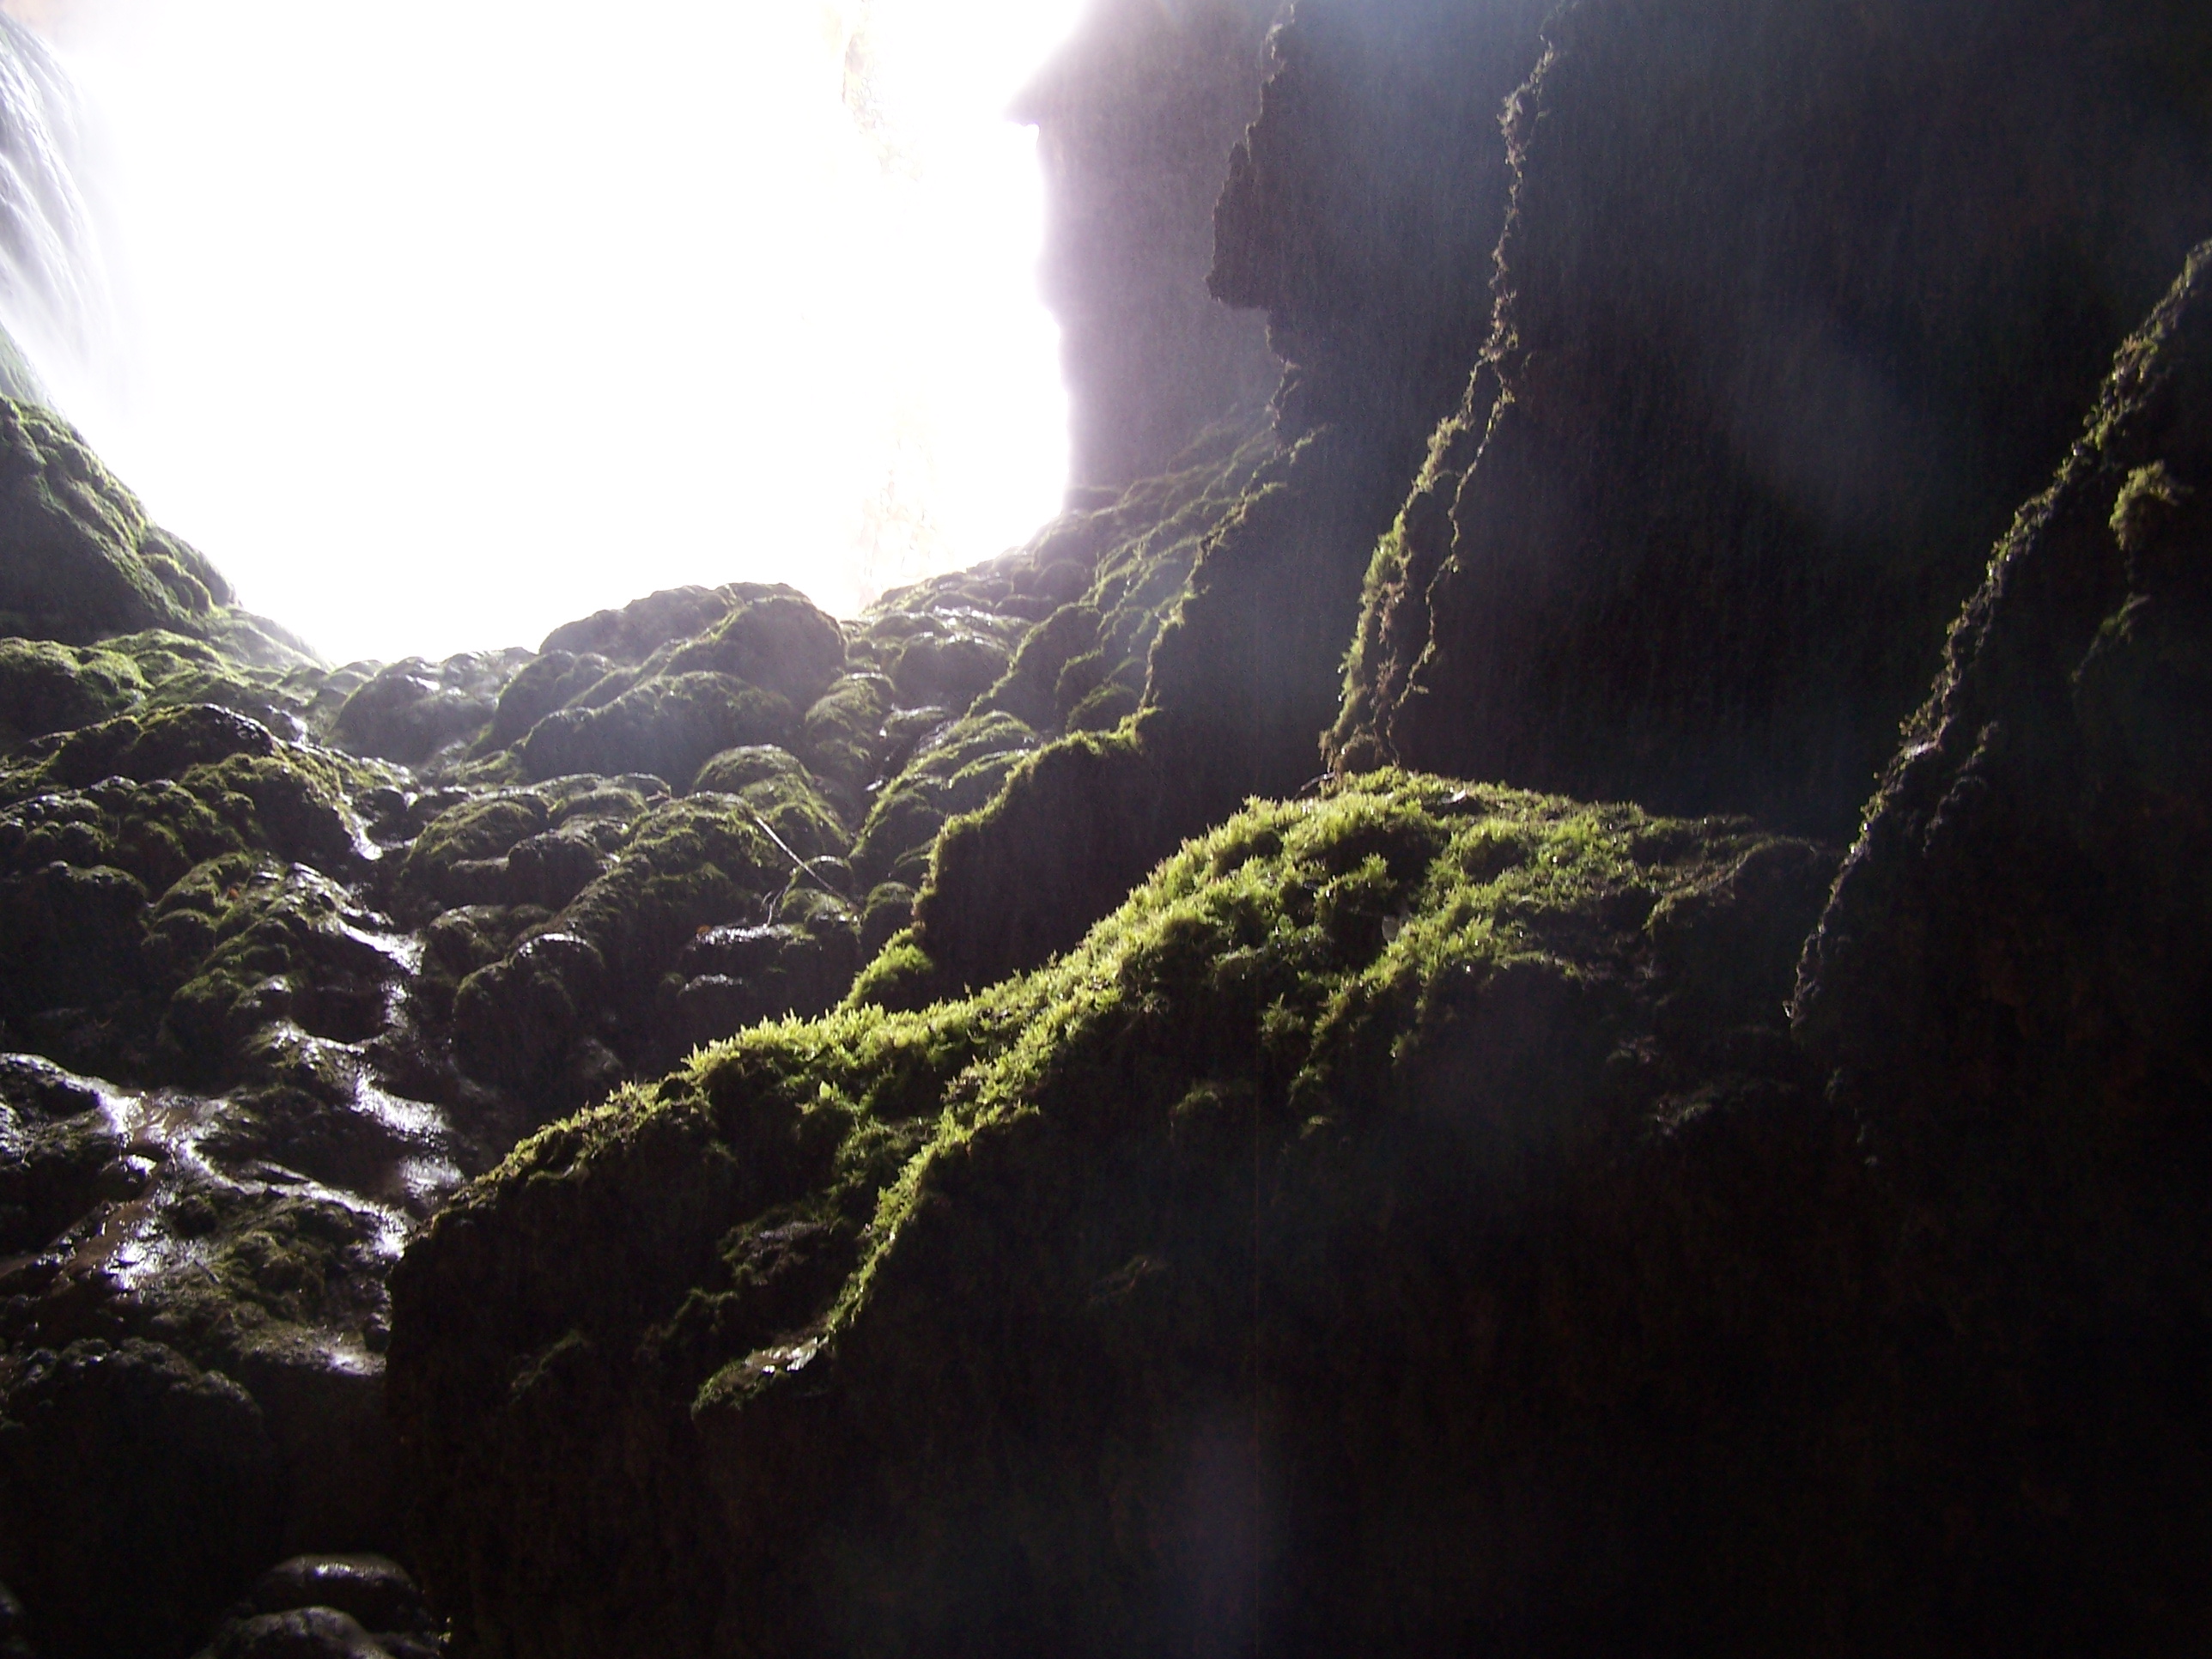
(2009, 991)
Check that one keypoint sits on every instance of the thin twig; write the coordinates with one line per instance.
(805, 866)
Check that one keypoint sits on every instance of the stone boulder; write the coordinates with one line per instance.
(138, 1494)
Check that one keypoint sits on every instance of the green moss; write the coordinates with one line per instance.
(957, 771)
(249, 943)
(439, 867)
(45, 687)
(1308, 957)
(538, 687)
(294, 803)
(900, 977)
(1028, 688)
(777, 640)
(274, 1268)
(667, 727)
(735, 771)
(157, 796)
(842, 739)
(1104, 707)
(690, 864)
(773, 785)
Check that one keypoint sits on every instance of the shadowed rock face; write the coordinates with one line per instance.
(1135, 120)
(1797, 303)
(2009, 989)
(1362, 211)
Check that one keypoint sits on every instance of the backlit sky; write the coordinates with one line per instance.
(443, 321)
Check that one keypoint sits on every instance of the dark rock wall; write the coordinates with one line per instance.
(1798, 302)
(1362, 211)
(1360, 214)
(1135, 118)
(2008, 990)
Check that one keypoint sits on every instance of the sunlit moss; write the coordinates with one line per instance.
(1306, 957)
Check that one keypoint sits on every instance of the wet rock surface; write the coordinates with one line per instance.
(138, 1487)
(331, 1607)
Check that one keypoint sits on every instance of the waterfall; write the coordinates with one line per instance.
(53, 294)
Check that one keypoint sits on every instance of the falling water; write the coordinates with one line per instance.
(53, 293)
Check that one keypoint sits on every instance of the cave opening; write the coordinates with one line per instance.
(441, 323)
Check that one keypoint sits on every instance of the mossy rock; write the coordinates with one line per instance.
(788, 798)
(842, 738)
(800, 962)
(951, 669)
(1356, 1056)
(637, 630)
(517, 1018)
(775, 639)
(165, 744)
(84, 560)
(411, 710)
(667, 727)
(581, 991)
(541, 685)
(45, 687)
(450, 860)
(293, 700)
(958, 769)
(154, 831)
(1027, 690)
(249, 944)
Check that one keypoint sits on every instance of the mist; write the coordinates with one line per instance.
(437, 325)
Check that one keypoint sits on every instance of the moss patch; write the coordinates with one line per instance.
(1482, 969)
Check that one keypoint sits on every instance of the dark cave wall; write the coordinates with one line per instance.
(1797, 304)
